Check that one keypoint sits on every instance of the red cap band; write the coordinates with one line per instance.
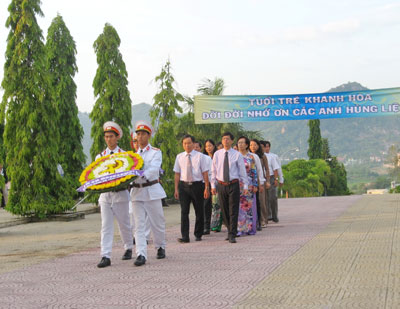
(143, 127)
(108, 129)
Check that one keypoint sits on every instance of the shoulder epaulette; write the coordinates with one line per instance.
(155, 148)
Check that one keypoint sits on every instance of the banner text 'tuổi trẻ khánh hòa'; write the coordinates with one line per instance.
(366, 103)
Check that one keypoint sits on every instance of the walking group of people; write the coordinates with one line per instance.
(225, 185)
(234, 187)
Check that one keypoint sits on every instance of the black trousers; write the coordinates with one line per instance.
(207, 211)
(192, 194)
(229, 199)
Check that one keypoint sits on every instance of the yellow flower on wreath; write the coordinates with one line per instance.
(107, 165)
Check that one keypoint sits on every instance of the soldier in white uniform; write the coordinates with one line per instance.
(135, 148)
(146, 197)
(114, 204)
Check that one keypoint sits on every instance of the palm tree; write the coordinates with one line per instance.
(214, 131)
(209, 87)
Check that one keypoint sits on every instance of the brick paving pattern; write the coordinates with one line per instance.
(314, 258)
(354, 263)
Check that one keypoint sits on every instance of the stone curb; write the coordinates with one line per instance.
(59, 217)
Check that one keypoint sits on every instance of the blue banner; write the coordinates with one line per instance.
(328, 105)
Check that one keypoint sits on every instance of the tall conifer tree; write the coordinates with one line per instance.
(164, 119)
(61, 64)
(2, 154)
(314, 140)
(111, 91)
(31, 136)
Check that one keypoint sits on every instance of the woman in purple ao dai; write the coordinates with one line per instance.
(247, 218)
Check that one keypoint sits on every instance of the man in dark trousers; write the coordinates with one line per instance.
(191, 185)
(274, 166)
(227, 170)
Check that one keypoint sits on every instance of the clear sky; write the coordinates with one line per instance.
(257, 47)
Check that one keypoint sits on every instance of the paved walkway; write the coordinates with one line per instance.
(353, 263)
(335, 252)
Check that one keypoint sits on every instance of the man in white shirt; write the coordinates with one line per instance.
(227, 169)
(191, 185)
(278, 177)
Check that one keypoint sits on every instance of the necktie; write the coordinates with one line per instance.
(141, 150)
(189, 172)
(226, 167)
(112, 152)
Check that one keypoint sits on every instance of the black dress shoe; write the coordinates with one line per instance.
(183, 240)
(140, 260)
(105, 261)
(160, 253)
(206, 232)
(232, 240)
(127, 255)
(198, 238)
(276, 220)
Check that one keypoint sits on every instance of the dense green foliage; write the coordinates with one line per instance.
(110, 86)
(317, 177)
(61, 64)
(164, 120)
(306, 178)
(325, 150)
(337, 184)
(314, 140)
(31, 136)
(395, 190)
(337, 178)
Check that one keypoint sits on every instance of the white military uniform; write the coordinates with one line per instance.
(133, 222)
(114, 204)
(133, 137)
(147, 201)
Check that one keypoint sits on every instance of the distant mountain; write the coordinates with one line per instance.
(139, 112)
(350, 86)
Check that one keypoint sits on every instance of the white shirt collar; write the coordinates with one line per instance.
(147, 147)
(114, 150)
(193, 152)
